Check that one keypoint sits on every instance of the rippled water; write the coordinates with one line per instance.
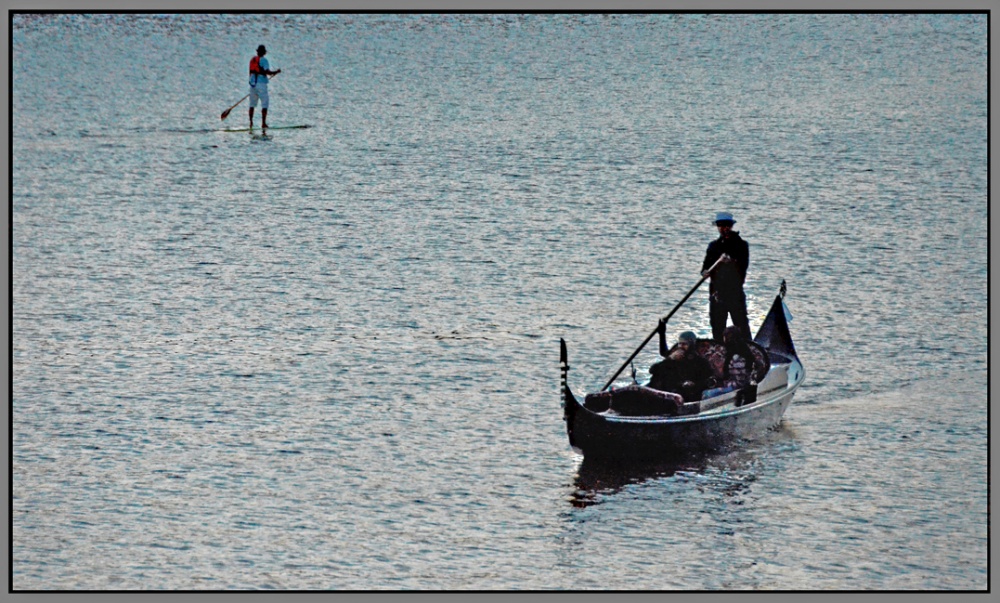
(328, 359)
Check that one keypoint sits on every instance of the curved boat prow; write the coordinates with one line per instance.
(563, 369)
(569, 402)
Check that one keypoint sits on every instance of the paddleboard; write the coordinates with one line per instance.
(256, 129)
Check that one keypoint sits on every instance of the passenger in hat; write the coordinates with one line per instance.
(726, 296)
(682, 371)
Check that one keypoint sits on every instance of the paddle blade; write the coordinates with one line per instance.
(225, 113)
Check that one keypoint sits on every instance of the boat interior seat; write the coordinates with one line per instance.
(634, 400)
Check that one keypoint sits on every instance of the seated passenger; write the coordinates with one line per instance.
(683, 371)
(741, 364)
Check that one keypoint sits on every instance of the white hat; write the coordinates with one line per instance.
(724, 216)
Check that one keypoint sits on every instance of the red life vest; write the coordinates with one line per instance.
(255, 66)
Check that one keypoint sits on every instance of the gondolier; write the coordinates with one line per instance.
(726, 296)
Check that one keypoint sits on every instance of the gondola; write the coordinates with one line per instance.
(638, 422)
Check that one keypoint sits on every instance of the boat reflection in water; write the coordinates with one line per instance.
(728, 471)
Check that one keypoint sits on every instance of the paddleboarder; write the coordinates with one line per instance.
(259, 70)
(726, 296)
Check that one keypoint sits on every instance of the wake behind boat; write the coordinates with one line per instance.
(637, 421)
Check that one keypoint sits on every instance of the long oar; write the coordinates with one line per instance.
(225, 113)
(677, 307)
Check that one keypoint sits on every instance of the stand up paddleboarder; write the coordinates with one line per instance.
(259, 70)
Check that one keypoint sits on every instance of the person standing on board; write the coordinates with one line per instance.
(259, 70)
(726, 296)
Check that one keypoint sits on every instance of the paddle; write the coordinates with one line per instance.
(225, 113)
(665, 319)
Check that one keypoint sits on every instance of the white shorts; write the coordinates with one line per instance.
(258, 92)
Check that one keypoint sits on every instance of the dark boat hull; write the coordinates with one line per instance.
(727, 421)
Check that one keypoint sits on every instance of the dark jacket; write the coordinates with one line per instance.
(673, 371)
(728, 277)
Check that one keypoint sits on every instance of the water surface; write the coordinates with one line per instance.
(328, 359)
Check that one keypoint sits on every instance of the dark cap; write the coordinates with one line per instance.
(261, 48)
